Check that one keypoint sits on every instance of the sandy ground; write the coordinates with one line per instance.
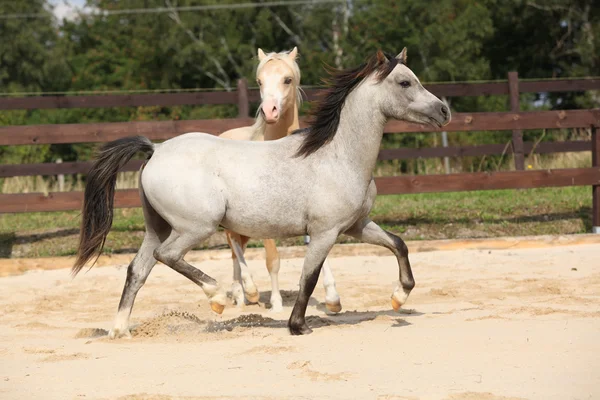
(481, 324)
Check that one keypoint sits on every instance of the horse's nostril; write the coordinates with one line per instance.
(445, 111)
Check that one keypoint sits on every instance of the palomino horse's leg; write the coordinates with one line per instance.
(242, 278)
(273, 264)
(316, 253)
(369, 232)
(332, 298)
(171, 253)
(137, 272)
(237, 291)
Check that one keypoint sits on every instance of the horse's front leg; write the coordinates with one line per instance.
(316, 253)
(332, 298)
(369, 232)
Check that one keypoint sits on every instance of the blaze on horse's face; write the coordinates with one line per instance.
(277, 82)
(406, 99)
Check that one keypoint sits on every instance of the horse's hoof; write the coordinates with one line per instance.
(396, 304)
(299, 329)
(218, 308)
(116, 333)
(276, 308)
(252, 297)
(334, 307)
(399, 298)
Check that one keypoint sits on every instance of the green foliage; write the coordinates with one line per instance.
(447, 40)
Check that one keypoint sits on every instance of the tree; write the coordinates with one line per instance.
(29, 60)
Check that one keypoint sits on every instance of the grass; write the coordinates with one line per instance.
(414, 217)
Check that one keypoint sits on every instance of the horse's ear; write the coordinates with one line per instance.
(294, 53)
(261, 55)
(402, 56)
(381, 58)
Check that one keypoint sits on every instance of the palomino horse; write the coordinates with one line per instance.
(190, 185)
(278, 77)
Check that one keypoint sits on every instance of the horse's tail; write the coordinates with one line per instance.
(99, 193)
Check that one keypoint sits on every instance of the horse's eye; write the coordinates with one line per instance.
(405, 84)
(259, 82)
(287, 81)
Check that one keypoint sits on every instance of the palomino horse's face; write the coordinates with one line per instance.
(404, 98)
(278, 85)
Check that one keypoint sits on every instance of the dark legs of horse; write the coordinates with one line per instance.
(317, 251)
(137, 272)
(171, 253)
(162, 243)
(369, 232)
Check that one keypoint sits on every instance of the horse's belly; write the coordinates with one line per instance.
(264, 225)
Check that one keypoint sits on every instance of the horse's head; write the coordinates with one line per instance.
(278, 78)
(403, 97)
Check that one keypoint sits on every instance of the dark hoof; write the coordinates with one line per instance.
(297, 330)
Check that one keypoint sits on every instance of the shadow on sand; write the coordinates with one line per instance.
(183, 323)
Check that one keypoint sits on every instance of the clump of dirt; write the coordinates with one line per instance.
(91, 333)
(169, 323)
(181, 323)
(244, 321)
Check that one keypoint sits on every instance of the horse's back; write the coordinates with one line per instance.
(198, 175)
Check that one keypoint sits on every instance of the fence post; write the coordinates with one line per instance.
(517, 134)
(60, 177)
(596, 188)
(243, 101)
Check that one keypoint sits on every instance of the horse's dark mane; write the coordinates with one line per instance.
(326, 116)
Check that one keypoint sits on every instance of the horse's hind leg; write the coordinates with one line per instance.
(137, 272)
(171, 253)
(242, 278)
(157, 230)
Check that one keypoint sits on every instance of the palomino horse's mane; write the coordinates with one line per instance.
(326, 117)
(259, 125)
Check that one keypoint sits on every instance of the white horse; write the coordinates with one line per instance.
(278, 77)
(190, 186)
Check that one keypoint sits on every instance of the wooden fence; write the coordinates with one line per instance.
(513, 120)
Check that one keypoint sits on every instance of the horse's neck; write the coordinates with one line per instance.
(359, 134)
(285, 126)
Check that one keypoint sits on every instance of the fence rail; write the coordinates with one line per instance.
(64, 201)
(252, 95)
(513, 120)
(82, 167)
(162, 130)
